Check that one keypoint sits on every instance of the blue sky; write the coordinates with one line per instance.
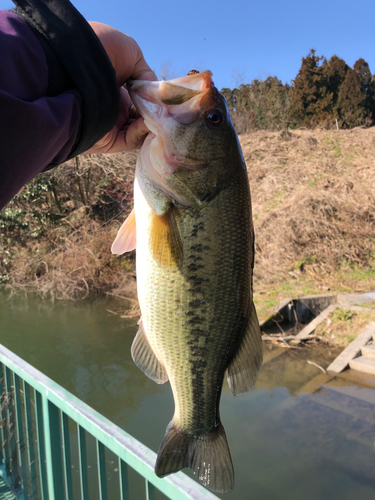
(240, 40)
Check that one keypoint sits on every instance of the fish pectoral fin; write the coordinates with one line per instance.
(125, 240)
(145, 358)
(165, 239)
(244, 369)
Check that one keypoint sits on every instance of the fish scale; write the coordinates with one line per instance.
(171, 298)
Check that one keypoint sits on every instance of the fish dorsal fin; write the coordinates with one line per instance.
(165, 240)
(125, 240)
(244, 369)
(145, 358)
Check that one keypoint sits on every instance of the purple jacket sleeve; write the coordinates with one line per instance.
(58, 90)
(35, 130)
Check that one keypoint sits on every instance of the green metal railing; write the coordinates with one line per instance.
(35, 446)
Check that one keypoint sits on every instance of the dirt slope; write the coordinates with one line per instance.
(313, 195)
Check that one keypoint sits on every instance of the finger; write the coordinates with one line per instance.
(142, 70)
(131, 137)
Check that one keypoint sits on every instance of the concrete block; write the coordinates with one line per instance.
(368, 351)
(281, 313)
(310, 306)
(353, 299)
(303, 334)
(364, 365)
(353, 350)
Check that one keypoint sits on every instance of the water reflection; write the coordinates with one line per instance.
(300, 434)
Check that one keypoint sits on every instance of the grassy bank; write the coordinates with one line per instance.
(313, 195)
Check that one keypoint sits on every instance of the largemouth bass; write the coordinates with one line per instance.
(192, 228)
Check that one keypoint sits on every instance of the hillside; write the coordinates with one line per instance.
(313, 195)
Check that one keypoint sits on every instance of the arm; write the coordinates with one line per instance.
(59, 93)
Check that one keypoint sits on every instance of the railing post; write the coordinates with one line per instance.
(124, 480)
(66, 455)
(41, 446)
(21, 441)
(83, 463)
(102, 477)
(3, 437)
(150, 491)
(30, 441)
(53, 450)
(11, 427)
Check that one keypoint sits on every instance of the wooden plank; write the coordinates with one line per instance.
(362, 364)
(353, 350)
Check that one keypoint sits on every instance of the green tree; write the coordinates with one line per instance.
(362, 69)
(309, 89)
(352, 101)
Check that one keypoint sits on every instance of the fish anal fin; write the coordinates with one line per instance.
(206, 454)
(165, 240)
(145, 358)
(125, 240)
(244, 368)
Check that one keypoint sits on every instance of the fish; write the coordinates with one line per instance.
(192, 229)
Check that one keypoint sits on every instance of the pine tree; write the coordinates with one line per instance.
(352, 101)
(362, 69)
(308, 90)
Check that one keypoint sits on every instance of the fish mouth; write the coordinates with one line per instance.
(178, 99)
(166, 105)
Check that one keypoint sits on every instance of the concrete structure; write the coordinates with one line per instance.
(308, 330)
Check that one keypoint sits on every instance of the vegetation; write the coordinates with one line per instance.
(344, 325)
(312, 190)
(322, 92)
(59, 223)
(313, 211)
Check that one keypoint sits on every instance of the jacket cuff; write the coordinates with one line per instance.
(74, 51)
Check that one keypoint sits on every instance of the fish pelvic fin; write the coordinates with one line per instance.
(206, 454)
(165, 240)
(244, 368)
(145, 358)
(125, 240)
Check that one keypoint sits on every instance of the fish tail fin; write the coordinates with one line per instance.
(207, 455)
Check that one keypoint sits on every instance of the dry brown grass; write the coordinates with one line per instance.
(313, 195)
(72, 260)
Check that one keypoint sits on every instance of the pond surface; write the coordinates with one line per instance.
(299, 434)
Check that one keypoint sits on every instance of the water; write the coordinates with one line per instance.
(298, 435)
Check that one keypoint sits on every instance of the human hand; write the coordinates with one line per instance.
(128, 61)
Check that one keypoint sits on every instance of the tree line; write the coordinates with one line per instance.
(322, 92)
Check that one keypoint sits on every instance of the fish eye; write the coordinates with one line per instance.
(215, 118)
